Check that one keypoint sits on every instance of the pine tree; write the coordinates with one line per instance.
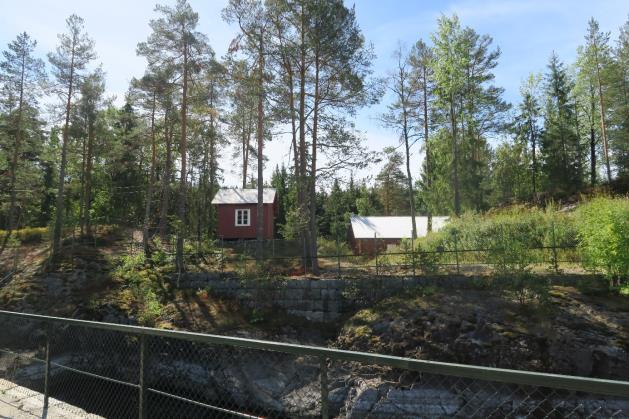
(391, 184)
(23, 77)
(423, 83)
(175, 43)
(619, 101)
(92, 91)
(74, 52)
(252, 19)
(598, 55)
(528, 119)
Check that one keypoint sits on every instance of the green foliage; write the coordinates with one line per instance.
(526, 288)
(329, 248)
(603, 226)
(146, 284)
(510, 240)
(27, 235)
(296, 223)
(151, 310)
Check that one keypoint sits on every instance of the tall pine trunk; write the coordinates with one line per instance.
(601, 102)
(427, 147)
(183, 146)
(260, 134)
(313, 173)
(56, 237)
(14, 161)
(409, 178)
(455, 159)
(82, 198)
(166, 178)
(89, 167)
(302, 178)
(533, 140)
(149, 189)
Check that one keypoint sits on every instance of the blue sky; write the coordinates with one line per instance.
(526, 32)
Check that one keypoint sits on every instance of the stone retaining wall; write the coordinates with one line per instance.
(326, 299)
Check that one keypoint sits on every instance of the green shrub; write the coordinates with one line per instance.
(510, 240)
(328, 248)
(128, 266)
(28, 235)
(603, 228)
(150, 308)
(526, 288)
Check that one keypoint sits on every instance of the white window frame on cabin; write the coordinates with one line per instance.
(242, 212)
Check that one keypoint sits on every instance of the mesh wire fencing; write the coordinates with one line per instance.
(232, 260)
(73, 368)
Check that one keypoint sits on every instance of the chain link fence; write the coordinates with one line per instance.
(73, 368)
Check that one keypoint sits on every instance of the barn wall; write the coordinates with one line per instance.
(368, 246)
(227, 221)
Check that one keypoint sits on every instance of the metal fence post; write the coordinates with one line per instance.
(456, 253)
(413, 252)
(222, 257)
(555, 261)
(47, 371)
(142, 382)
(324, 388)
(375, 241)
(303, 239)
(338, 256)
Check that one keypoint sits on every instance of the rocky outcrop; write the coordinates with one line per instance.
(570, 335)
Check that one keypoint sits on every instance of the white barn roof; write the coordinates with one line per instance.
(243, 196)
(393, 227)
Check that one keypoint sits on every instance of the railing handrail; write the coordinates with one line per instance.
(556, 381)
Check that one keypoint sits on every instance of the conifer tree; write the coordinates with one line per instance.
(23, 77)
(74, 52)
(175, 43)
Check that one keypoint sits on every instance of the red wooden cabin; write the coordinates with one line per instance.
(238, 214)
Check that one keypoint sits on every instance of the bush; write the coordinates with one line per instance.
(27, 235)
(509, 240)
(150, 308)
(426, 257)
(526, 288)
(603, 229)
(328, 248)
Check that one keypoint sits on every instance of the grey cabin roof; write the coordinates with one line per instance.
(243, 196)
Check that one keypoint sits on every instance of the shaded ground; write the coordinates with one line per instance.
(572, 333)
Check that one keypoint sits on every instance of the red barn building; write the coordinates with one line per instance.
(237, 212)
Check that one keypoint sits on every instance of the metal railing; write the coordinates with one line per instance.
(116, 370)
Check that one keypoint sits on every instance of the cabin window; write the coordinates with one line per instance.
(243, 217)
